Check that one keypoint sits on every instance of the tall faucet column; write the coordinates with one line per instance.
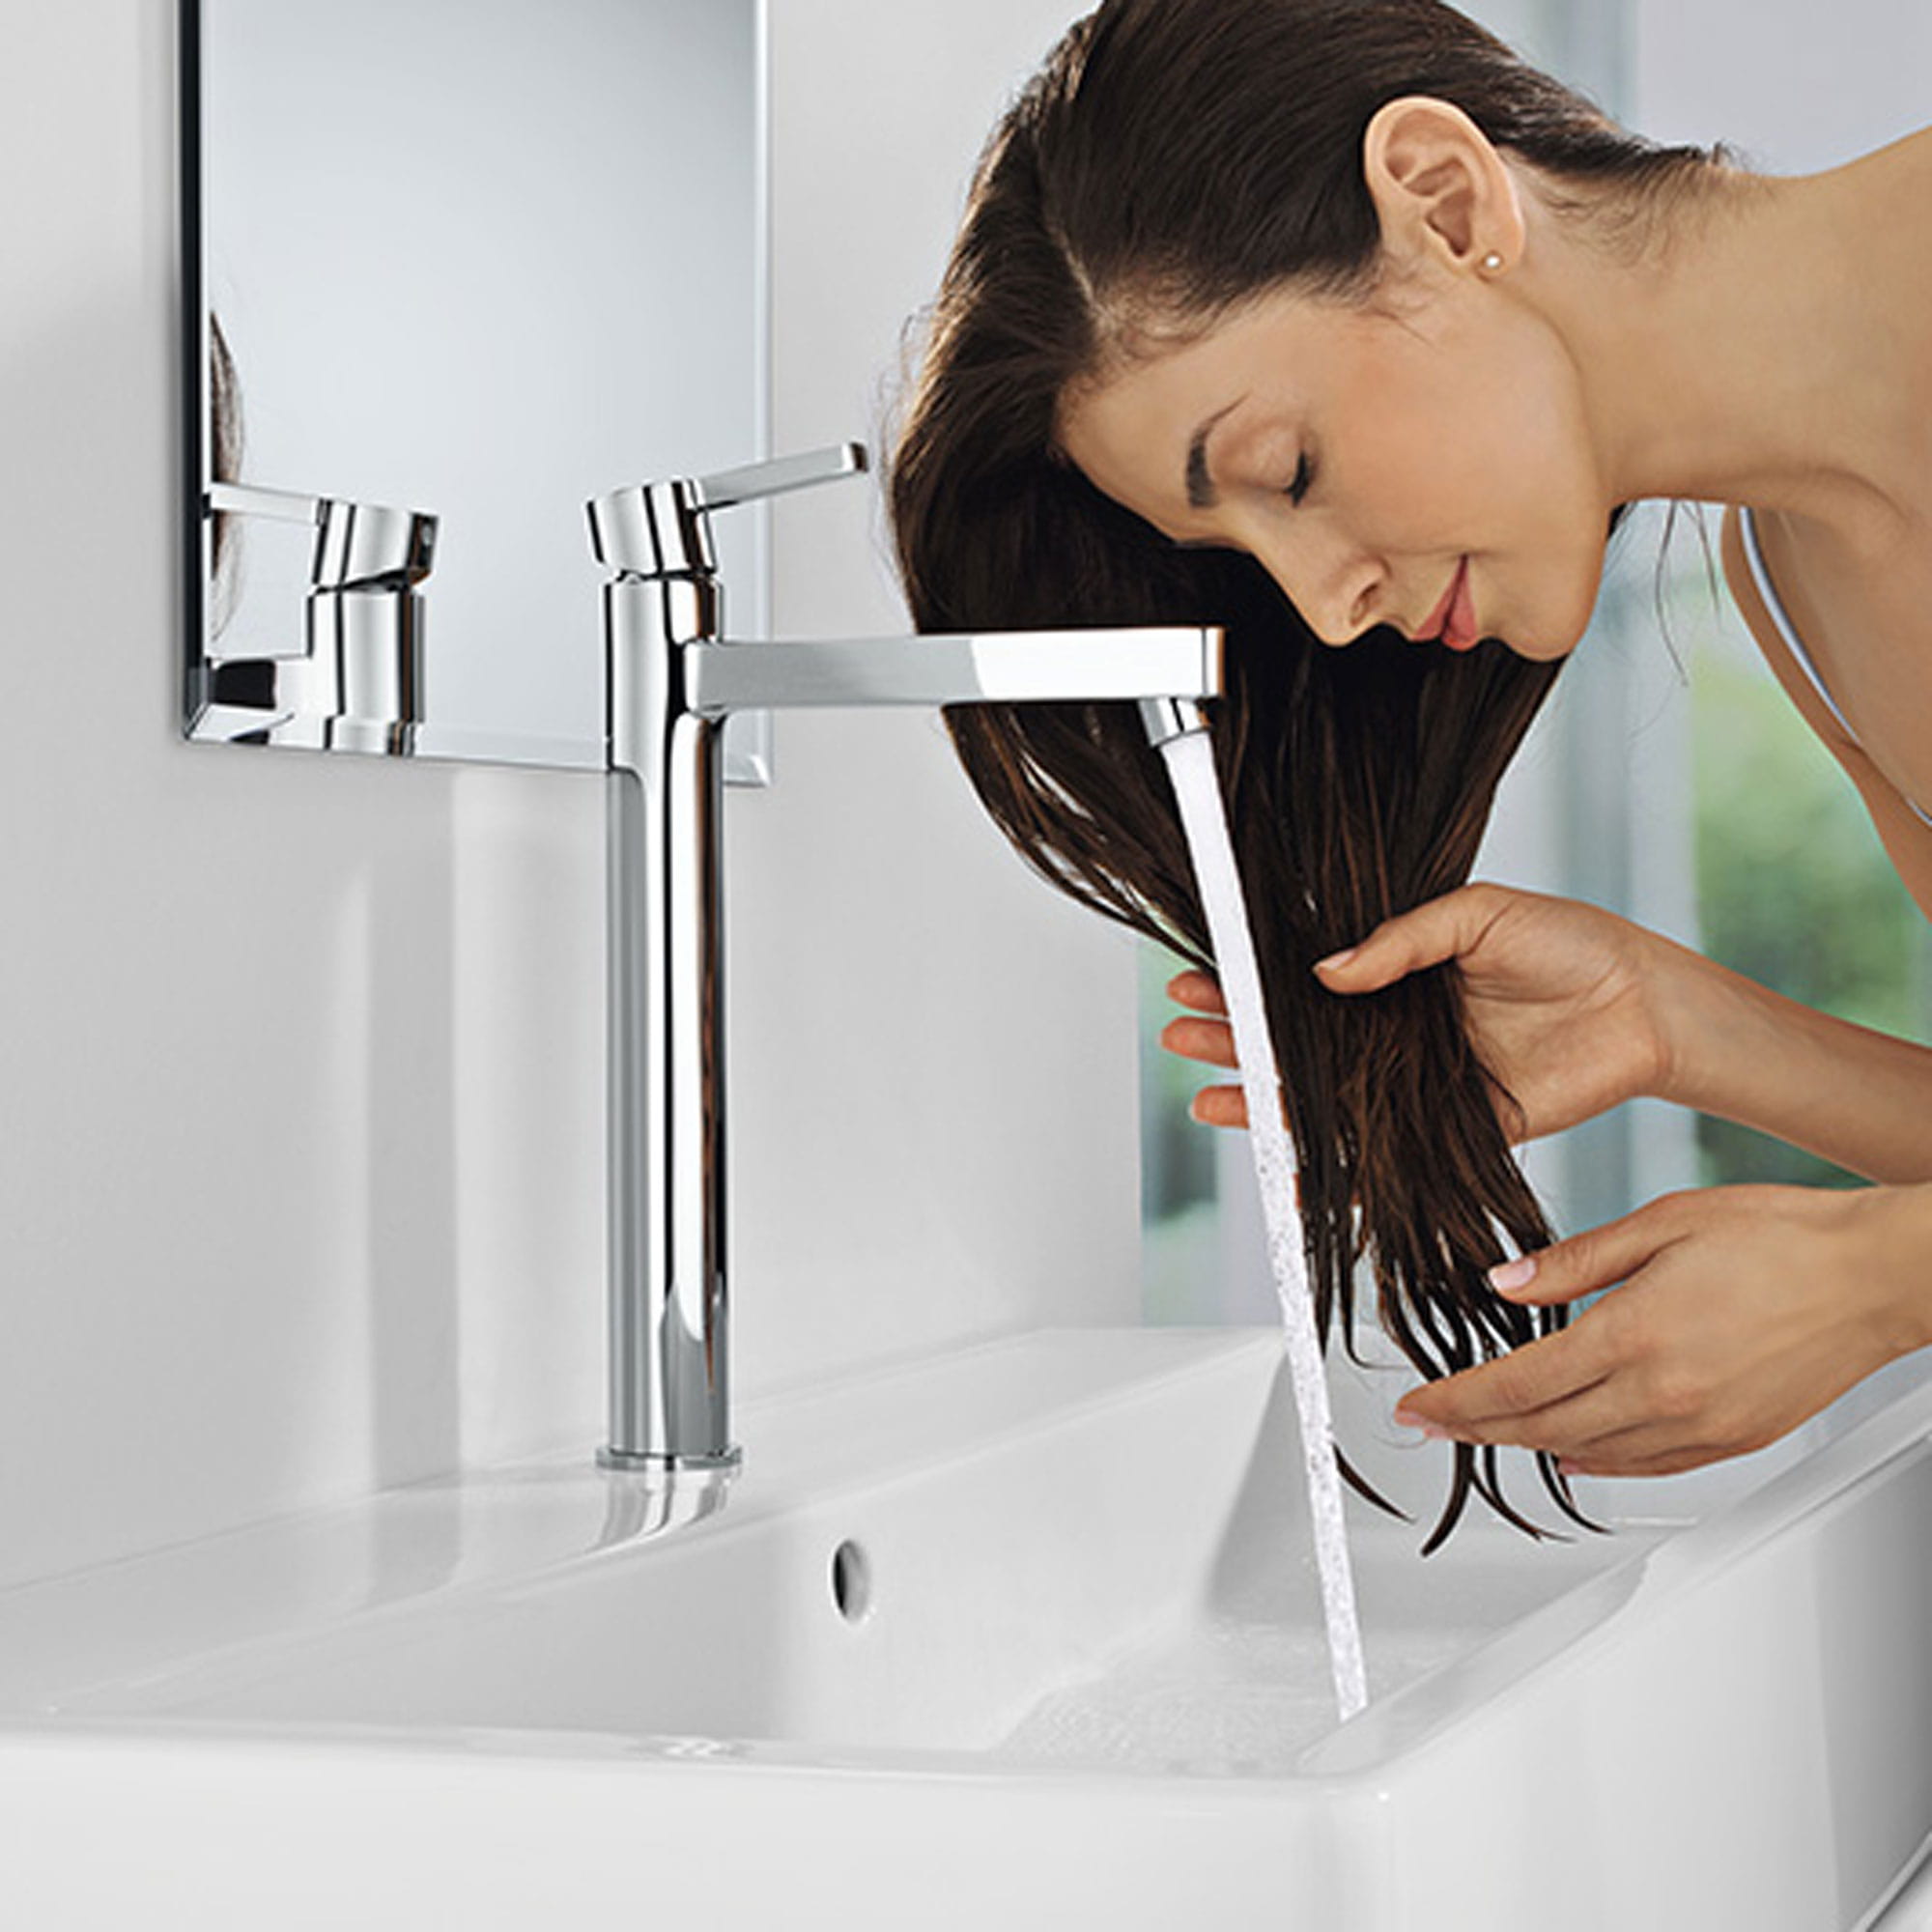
(669, 1408)
(670, 1380)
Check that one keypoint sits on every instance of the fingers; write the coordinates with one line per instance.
(1593, 1260)
(1219, 1107)
(1443, 929)
(1592, 1432)
(1607, 1395)
(1589, 1424)
(1199, 990)
(1210, 1041)
(1495, 1402)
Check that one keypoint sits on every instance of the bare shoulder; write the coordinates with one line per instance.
(1907, 840)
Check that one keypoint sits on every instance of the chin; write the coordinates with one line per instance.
(1565, 626)
(1543, 650)
(1529, 653)
(1544, 645)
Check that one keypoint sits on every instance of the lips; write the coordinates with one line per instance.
(1459, 631)
(1453, 621)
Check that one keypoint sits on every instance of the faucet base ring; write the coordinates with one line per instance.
(663, 1493)
(653, 1462)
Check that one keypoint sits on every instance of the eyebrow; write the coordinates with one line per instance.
(1200, 485)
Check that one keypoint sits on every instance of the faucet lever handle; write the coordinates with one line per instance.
(358, 546)
(248, 500)
(753, 480)
(664, 528)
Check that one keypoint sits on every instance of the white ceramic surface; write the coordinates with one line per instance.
(1085, 1687)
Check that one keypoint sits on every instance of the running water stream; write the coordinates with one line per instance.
(1190, 764)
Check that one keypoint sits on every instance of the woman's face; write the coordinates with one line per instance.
(1423, 462)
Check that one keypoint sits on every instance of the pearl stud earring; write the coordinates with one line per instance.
(1493, 261)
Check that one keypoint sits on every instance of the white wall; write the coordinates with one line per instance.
(300, 1149)
(934, 1054)
(1793, 84)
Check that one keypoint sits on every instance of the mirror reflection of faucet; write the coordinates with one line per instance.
(354, 681)
(672, 679)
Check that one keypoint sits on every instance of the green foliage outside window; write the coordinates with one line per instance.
(1794, 888)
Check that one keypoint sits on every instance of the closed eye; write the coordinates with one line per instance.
(1298, 487)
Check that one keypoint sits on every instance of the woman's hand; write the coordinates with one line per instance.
(1744, 1311)
(1562, 1002)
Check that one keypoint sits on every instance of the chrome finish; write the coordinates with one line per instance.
(366, 547)
(248, 500)
(672, 682)
(355, 682)
(660, 529)
(1006, 667)
(753, 480)
(375, 642)
(655, 1499)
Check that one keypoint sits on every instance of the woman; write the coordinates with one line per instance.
(1330, 317)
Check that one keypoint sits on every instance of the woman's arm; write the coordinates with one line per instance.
(1852, 1095)
(1574, 1010)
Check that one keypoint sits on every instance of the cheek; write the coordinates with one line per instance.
(1549, 531)
(1498, 464)
(1535, 447)
(1463, 470)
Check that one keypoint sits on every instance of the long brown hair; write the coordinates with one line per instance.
(1172, 159)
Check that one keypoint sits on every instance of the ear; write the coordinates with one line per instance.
(1444, 193)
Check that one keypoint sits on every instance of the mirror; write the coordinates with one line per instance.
(470, 263)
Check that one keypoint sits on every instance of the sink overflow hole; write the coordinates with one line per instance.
(851, 1581)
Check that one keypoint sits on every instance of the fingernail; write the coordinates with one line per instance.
(1566, 1467)
(1340, 958)
(1428, 1429)
(1507, 1277)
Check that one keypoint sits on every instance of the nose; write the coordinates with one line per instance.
(1340, 592)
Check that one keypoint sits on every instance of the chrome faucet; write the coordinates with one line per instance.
(671, 680)
(355, 683)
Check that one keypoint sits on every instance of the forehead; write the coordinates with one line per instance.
(1139, 418)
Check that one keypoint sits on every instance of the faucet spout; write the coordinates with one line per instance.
(1010, 667)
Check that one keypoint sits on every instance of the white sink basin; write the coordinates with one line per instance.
(1026, 1636)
